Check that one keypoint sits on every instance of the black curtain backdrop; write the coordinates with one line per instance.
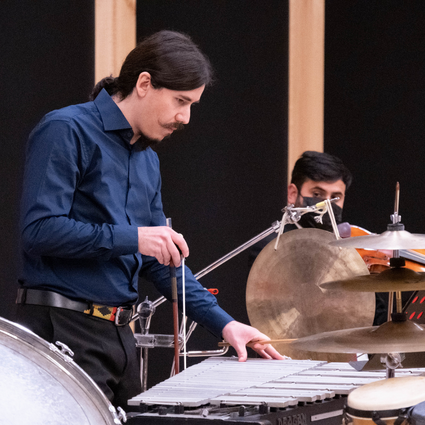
(224, 177)
(47, 62)
(375, 106)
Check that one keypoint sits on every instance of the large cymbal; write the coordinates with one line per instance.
(391, 280)
(391, 337)
(397, 239)
(283, 297)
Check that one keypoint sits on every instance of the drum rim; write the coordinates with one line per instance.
(383, 414)
(64, 364)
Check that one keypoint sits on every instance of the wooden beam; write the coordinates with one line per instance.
(115, 35)
(306, 78)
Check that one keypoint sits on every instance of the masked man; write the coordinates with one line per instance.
(316, 176)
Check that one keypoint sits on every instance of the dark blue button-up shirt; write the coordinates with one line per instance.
(86, 191)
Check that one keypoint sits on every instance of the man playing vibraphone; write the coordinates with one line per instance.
(92, 217)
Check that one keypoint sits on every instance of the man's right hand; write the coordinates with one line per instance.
(160, 242)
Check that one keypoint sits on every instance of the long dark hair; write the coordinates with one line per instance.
(172, 59)
(319, 166)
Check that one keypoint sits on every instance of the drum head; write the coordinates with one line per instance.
(386, 396)
(39, 385)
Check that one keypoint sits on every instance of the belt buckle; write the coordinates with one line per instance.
(118, 316)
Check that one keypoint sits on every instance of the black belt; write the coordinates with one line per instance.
(119, 315)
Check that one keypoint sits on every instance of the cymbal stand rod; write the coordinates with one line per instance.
(390, 305)
(397, 198)
(145, 310)
(398, 301)
(190, 330)
(332, 217)
(144, 368)
(398, 305)
(274, 228)
(396, 218)
(390, 373)
(391, 361)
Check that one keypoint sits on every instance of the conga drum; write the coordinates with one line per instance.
(385, 401)
(41, 384)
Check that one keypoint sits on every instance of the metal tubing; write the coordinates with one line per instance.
(220, 261)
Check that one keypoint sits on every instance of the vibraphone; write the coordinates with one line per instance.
(282, 392)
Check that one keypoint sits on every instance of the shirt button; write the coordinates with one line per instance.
(130, 134)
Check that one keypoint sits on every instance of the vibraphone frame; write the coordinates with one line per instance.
(281, 392)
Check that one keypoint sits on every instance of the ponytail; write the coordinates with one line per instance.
(110, 84)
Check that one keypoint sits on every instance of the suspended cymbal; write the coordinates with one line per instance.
(391, 337)
(391, 280)
(399, 239)
(283, 296)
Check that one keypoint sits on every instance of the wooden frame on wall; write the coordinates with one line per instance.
(306, 78)
(115, 35)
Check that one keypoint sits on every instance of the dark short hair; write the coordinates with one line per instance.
(172, 59)
(319, 166)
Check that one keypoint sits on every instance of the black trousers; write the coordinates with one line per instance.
(107, 353)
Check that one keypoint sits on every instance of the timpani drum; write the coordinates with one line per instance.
(41, 384)
(384, 402)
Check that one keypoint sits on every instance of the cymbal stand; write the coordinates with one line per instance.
(274, 228)
(391, 361)
(388, 361)
(292, 214)
(396, 261)
(145, 310)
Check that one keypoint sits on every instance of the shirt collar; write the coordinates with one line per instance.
(112, 117)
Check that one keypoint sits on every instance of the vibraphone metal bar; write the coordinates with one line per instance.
(223, 389)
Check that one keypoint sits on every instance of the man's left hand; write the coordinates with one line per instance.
(238, 335)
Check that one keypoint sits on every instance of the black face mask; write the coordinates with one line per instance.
(307, 219)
